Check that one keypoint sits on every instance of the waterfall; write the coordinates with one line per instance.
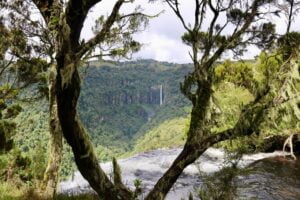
(160, 95)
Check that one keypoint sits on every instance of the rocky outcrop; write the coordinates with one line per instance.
(128, 96)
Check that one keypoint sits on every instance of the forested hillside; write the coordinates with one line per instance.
(120, 99)
(120, 107)
(119, 104)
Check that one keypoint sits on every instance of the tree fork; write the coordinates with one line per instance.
(194, 147)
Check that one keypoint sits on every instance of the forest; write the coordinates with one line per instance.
(204, 128)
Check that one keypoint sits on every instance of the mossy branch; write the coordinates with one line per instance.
(118, 179)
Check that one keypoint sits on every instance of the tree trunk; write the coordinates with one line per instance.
(188, 155)
(67, 90)
(290, 18)
(195, 146)
(50, 181)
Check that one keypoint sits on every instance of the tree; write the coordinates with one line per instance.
(31, 37)
(63, 22)
(290, 9)
(15, 76)
(241, 25)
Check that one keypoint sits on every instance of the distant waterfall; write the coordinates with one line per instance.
(160, 95)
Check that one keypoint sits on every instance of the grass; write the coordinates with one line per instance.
(10, 191)
(167, 134)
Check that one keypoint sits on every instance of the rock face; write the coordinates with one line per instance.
(149, 167)
(150, 95)
(118, 99)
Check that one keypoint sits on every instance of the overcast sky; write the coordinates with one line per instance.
(162, 37)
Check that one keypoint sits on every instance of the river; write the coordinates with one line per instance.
(270, 176)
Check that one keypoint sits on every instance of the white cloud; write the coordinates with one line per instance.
(162, 38)
(162, 48)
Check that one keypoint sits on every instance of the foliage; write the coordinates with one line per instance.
(221, 184)
(239, 73)
(45, 38)
(6, 132)
(9, 191)
(65, 19)
(123, 124)
(289, 44)
(15, 75)
(166, 127)
(235, 87)
(169, 133)
(119, 100)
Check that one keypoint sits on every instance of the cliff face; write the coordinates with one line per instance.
(117, 99)
(151, 95)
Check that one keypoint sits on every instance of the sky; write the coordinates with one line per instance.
(162, 38)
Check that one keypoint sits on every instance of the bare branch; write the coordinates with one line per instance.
(140, 14)
(197, 11)
(174, 5)
(104, 31)
(5, 66)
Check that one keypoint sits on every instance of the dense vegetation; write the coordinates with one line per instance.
(265, 103)
(162, 126)
(122, 123)
(119, 99)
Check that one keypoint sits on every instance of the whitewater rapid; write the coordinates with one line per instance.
(150, 166)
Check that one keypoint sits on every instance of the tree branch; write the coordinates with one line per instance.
(230, 41)
(44, 7)
(200, 138)
(104, 31)
(76, 13)
(118, 177)
(197, 11)
(174, 5)
(140, 14)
